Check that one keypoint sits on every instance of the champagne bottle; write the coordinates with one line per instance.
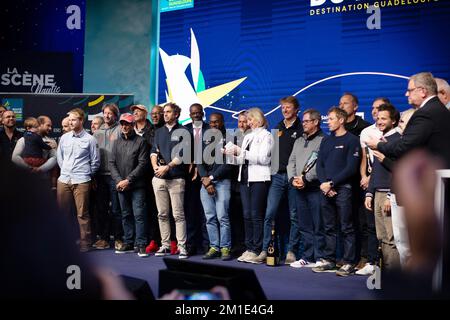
(272, 250)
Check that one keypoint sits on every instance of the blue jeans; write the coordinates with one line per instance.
(310, 224)
(280, 184)
(254, 200)
(216, 213)
(134, 216)
(338, 209)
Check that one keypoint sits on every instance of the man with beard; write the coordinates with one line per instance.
(377, 193)
(108, 219)
(289, 130)
(9, 135)
(78, 159)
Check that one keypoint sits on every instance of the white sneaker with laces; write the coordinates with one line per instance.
(302, 264)
(368, 270)
(183, 253)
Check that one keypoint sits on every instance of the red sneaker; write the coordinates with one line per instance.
(173, 247)
(152, 247)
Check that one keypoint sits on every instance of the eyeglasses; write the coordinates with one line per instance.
(411, 90)
(306, 121)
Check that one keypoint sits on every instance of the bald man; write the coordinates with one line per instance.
(9, 135)
(65, 125)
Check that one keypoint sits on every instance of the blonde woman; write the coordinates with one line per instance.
(254, 176)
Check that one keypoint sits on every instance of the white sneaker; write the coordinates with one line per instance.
(261, 258)
(320, 263)
(252, 258)
(302, 264)
(243, 256)
(368, 270)
(183, 253)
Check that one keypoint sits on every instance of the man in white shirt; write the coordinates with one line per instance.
(79, 160)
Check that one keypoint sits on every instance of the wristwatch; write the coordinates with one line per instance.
(211, 177)
(331, 183)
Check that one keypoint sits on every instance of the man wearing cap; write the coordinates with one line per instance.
(106, 193)
(144, 128)
(128, 163)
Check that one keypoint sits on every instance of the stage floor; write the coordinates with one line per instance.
(280, 283)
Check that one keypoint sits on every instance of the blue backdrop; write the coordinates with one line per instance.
(281, 48)
(33, 28)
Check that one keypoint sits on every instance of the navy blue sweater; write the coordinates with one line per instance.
(338, 159)
(34, 145)
(287, 137)
(220, 170)
(165, 142)
(381, 177)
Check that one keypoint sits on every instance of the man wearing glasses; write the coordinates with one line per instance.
(428, 126)
(443, 92)
(302, 175)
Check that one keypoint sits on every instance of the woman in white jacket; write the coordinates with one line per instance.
(254, 176)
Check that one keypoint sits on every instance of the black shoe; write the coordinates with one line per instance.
(192, 251)
(346, 270)
(142, 253)
(124, 248)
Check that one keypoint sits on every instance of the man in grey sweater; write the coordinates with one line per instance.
(302, 175)
(106, 192)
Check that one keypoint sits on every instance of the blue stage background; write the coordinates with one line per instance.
(33, 28)
(281, 48)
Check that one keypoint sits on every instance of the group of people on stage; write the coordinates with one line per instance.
(158, 187)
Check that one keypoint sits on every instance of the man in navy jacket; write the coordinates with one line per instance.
(337, 163)
(169, 180)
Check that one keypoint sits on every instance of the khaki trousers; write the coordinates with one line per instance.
(169, 194)
(67, 194)
(385, 233)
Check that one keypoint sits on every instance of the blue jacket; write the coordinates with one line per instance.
(381, 177)
(338, 159)
(165, 141)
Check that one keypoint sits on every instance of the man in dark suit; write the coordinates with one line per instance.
(197, 236)
(427, 128)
